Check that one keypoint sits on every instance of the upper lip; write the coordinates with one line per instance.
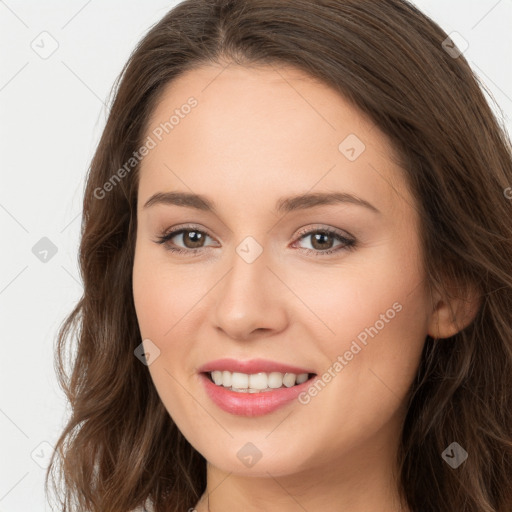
(251, 366)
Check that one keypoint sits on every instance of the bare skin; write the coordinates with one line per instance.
(256, 135)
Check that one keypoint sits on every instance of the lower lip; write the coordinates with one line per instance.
(252, 404)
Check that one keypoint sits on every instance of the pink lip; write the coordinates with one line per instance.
(252, 404)
(251, 366)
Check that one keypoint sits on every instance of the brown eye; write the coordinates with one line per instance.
(322, 241)
(191, 238)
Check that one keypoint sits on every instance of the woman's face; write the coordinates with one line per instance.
(261, 276)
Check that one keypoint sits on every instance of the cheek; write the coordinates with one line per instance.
(162, 299)
(379, 322)
(163, 294)
(362, 292)
(374, 316)
(168, 299)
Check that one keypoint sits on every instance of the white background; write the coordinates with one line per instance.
(52, 112)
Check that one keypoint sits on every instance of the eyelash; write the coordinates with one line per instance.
(349, 244)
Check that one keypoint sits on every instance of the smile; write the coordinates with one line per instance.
(252, 403)
(257, 382)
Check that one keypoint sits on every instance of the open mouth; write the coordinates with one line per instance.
(258, 382)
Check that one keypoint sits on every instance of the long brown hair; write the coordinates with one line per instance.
(120, 446)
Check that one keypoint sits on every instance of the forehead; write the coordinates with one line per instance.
(262, 129)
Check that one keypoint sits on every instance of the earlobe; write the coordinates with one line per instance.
(452, 314)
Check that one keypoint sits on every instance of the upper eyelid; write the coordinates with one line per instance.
(319, 227)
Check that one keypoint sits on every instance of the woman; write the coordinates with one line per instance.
(297, 276)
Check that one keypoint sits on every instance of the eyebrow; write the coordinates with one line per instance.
(283, 204)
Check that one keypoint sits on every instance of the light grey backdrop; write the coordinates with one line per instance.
(58, 62)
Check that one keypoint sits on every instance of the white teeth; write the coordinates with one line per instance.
(289, 379)
(226, 379)
(238, 380)
(303, 377)
(256, 382)
(217, 377)
(275, 380)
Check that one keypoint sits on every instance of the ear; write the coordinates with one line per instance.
(453, 310)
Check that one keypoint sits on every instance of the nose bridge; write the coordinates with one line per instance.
(245, 282)
(247, 300)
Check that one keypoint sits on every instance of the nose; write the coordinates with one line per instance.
(250, 300)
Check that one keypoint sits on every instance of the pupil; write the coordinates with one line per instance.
(194, 234)
(320, 235)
